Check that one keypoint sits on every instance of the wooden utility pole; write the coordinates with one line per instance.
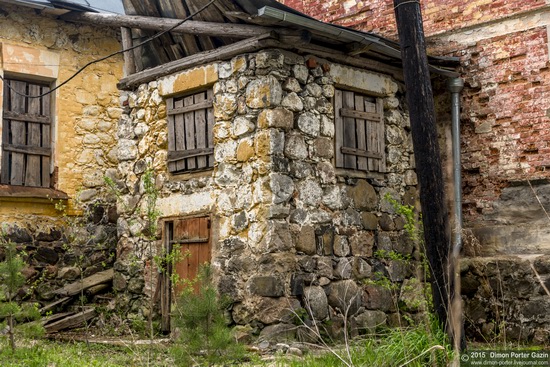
(426, 150)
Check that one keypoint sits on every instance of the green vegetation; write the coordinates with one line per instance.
(11, 311)
(47, 353)
(418, 346)
(205, 338)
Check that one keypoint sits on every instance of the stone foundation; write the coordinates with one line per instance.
(506, 298)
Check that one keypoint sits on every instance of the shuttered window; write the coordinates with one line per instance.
(359, 129)
(190, 138)
(26, 134)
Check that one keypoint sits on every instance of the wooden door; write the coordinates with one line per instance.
(192, 237)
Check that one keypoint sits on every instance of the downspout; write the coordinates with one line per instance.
(455, 86)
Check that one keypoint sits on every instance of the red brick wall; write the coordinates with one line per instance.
(505, 122)
(439, 15)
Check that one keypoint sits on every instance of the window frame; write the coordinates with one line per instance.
(190, 132)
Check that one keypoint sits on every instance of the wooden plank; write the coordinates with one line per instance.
(373, 135)
(176, 156)
(171, 133)
(361, 153)
(179, 126)
(359, 113)
(71, 322)
(18, 132)
(80, 285)
(6, 126)
(203, 104)
(29, 117)
(190, 240)
(381, 136)
(52, 306)
(200, 128)
(46, 138)
(362, 162)
(179, 155)
(350, 161)
(210, 128)
(26, 149)
(189, 120)
(221, 53)
(339, 128)
(129, 59)
(188, 41)
(156, 23)
(165, 285)
(55, 317)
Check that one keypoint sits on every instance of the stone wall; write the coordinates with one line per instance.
(507, 298)
(85, 113)
(289, 230)
(503, 48)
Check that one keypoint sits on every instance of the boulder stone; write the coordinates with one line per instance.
(264, 92)
(364, 196)
(378, 297)
(278, 333)
(266, 286)
(346, 296)
(370, 320)
(316, 302)
(361, 243)
(277, 310)
(278, 118)
(304, 239)
(46, 255)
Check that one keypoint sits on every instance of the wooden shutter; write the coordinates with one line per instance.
(190, 136)
(359, 126)
(26, 134)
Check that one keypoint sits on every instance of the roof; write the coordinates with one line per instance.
(269, 13)
(100, 6)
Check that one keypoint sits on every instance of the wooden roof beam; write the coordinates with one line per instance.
(160, 24)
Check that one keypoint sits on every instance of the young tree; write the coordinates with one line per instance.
(11, 280)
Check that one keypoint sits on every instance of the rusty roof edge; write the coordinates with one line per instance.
(378, 43)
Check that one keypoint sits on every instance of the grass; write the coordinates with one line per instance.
(45, 353)
(417, 346)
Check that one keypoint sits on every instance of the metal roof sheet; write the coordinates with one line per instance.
(101, 6)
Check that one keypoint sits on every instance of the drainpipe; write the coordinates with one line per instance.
(455, 86)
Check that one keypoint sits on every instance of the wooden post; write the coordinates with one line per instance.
(426, 150)
(129, 62)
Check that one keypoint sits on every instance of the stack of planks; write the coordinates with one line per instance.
(73, 319)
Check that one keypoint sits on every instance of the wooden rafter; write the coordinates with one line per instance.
(160, 24)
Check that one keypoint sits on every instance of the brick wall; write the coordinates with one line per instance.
(439, 15)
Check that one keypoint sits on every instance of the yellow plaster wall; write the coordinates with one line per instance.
(85, 110)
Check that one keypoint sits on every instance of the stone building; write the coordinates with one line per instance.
(274, 158)
(55, 149)
(504, 61)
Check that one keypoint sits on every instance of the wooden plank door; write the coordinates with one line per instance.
(192, 235)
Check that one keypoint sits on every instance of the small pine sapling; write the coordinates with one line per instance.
(204, 333)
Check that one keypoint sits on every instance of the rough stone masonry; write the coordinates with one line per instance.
(291, 232)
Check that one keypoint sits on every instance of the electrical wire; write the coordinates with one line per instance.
(153, 37)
